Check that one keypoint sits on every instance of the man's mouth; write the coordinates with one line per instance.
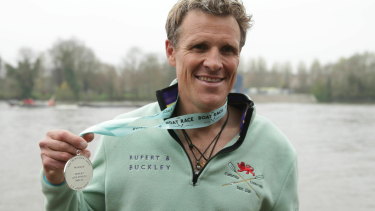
(209, 79)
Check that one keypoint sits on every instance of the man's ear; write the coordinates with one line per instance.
(170, 51)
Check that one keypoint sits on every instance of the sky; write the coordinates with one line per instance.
(283, 31)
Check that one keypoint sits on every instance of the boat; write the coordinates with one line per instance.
(31, 103)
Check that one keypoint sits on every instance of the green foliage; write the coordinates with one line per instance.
(25, 73)
(348, 80)
(75, 64)
(65, 92)
(357, 75)
(142, 74)
(322, 91)
(75, 73)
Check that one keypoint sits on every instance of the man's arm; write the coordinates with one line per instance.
(288, 196)
(57, 148)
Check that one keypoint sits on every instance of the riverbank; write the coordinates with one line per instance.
(283, 98)
(64, 104)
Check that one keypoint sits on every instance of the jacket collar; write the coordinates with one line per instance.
(169, 95)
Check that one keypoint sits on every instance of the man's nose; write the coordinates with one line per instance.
(213, 60)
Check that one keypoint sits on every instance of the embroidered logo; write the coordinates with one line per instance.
(246, 169)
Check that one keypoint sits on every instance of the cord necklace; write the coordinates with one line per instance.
(202, 159)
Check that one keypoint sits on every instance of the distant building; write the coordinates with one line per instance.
(238, 86)
(268, 91)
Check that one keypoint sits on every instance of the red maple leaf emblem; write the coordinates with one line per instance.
(247, 168)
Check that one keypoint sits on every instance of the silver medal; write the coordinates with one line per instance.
(78, 172)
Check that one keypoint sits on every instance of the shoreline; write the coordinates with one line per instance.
(283, 98)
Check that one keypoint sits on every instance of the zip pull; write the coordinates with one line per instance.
(195, 177)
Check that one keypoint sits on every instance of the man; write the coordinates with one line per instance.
(241, 162)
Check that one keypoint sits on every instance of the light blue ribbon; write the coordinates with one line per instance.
(161, 120)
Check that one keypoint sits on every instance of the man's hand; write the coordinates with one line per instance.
(57, 148)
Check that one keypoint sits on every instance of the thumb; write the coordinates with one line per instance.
(88, 137)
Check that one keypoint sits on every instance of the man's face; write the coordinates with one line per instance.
(206, 58)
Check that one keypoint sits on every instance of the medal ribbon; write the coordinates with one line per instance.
(161, 120)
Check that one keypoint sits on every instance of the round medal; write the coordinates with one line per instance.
(78, 172)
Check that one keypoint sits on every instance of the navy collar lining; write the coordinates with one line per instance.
(169, 95)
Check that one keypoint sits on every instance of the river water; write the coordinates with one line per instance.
(335, 145)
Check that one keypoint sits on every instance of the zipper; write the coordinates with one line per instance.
(196, 175)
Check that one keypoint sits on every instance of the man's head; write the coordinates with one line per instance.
(233, 8)
(205, 38)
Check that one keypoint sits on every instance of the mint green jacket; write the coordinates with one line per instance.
(150, 170)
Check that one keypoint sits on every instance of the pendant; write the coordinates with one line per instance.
(200, 164)
(78, 172)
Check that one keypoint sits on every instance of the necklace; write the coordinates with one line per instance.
(202, 159)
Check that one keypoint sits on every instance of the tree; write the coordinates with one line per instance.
(353, 78)
(2, 80)
(321, 86)
(25, 73)
(1, 68)
(75, 64)
(286, 70)
(142, 74)
(106, 82)
(257, 74)
(129, 73)
(303, 85)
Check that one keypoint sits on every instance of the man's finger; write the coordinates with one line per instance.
(86, 153)
(59, 156)
(52, 164)
(61, 146)
(68, 137)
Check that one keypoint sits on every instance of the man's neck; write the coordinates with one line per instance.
(212, 130)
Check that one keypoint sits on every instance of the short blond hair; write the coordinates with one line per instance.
(233, 8)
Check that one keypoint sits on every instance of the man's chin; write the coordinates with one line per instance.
(212, 102)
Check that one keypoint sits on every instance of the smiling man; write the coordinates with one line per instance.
(206, 57)
(220, 155)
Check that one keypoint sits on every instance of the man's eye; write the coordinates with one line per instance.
(200, 47)
(229, 49)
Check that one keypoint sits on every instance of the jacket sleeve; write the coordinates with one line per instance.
(62, 198)
(288, 196)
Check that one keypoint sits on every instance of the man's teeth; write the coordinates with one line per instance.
(209, 79)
